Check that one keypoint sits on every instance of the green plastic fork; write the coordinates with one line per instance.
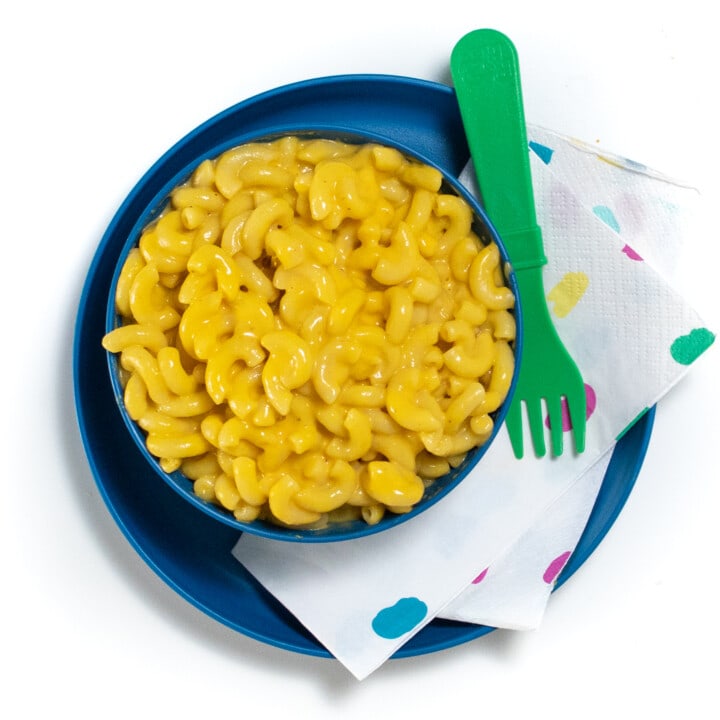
(485, 72)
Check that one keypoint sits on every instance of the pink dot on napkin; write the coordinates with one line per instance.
(631, 253)
(555, 567)
(480, 577)
(590, 405)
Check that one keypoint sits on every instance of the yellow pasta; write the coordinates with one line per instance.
(312, 331)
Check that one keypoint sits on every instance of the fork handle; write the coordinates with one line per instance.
(485, 71)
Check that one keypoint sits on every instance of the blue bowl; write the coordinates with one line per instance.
(262, 118)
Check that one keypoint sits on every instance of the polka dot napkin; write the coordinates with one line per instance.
(492, 550)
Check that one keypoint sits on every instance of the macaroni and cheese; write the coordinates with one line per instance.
(312, 331)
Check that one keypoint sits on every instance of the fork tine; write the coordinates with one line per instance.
(537, 429)
(577, 406)
(513, 421)
(554, 407)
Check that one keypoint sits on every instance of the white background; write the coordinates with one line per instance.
(92, 94)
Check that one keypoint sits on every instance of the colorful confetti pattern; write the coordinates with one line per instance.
(564, 297)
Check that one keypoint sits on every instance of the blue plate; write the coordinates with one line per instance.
(190, 551)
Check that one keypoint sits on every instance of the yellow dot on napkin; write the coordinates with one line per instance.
(566, 294)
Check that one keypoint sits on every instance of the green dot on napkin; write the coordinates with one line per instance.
(687, 348)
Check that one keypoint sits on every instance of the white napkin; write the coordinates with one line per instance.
(654, 214)
(491, 550)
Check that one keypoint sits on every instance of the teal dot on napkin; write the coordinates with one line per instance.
(630, 424)
(604, 213)
(542, 151)
(688, 348)
(398, 619)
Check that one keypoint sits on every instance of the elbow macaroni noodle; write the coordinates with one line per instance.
(312, 331)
